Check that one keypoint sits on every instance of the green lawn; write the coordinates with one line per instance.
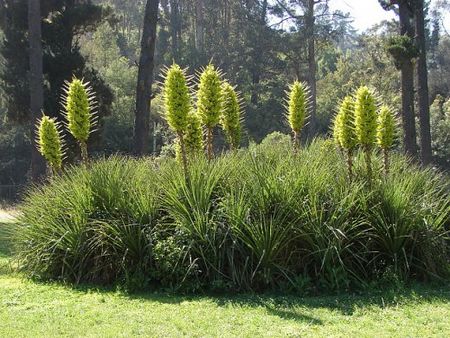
(29, 309)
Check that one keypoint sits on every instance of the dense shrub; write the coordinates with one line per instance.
(258, 218)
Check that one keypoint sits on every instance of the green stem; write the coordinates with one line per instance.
(296, 140)
(367, 153)
(350, 164)
(386, 161)
(183, 154)
(209, 145)
(84, 152)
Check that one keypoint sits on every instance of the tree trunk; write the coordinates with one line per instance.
(199, 26)
(407, 75)
(145, 78)
(36, 84)
(258, 53)
(310, 32)
(174, 27)
(422, 86)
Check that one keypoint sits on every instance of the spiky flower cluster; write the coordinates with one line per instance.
(344, 130)
(194, 136)
(345, 124)
(231, 116)
(359, 122)
(79, 103)
(177, 98)
(209, 96)
(365, 117)
(217, 102)
(297, 107)
(386, 133)
(209, 102)
(177, 102)
(385, 128)
(49, 142)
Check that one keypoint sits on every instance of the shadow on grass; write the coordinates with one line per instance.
(286, 306)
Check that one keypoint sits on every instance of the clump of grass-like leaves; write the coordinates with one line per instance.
(258, 218)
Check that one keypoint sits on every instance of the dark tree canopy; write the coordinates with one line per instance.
(62, 22)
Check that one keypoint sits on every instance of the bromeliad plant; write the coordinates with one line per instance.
(344, 130)
(231, 116)
(366, 123)
(49, 143)
(209, 102)
(177, 102)
(297, 108)
(79, 104)
(386, 133)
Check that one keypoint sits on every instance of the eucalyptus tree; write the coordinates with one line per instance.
(145, 78)
(403, 50)
(306, 13)
(36, 79)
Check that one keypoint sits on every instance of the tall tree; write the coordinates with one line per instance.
(422, 84)
(312, 67)
(36, 83)
(403, 50)
(61, 53)
(306, 13)
(145, 78)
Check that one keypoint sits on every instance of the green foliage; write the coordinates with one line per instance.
(297, 107)
(440, 129)
(209, 96)
(260, 219)
(96, 224)
(402, 48)
(61, 53)
(345, 124)
(176, 98)
(49, 142)
(386, 126)
(231, 116)
(369, 63)
(365, 117)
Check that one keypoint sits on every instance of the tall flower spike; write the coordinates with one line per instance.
(209, 102)
(194, 135)
(79, 105)
(386, 130)
(49, 142)
(297, 109)
(345, 130)
(366, 123)
(177, 102)
(231, 116)
(193, 139)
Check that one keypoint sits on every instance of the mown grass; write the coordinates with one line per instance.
(30, 309)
